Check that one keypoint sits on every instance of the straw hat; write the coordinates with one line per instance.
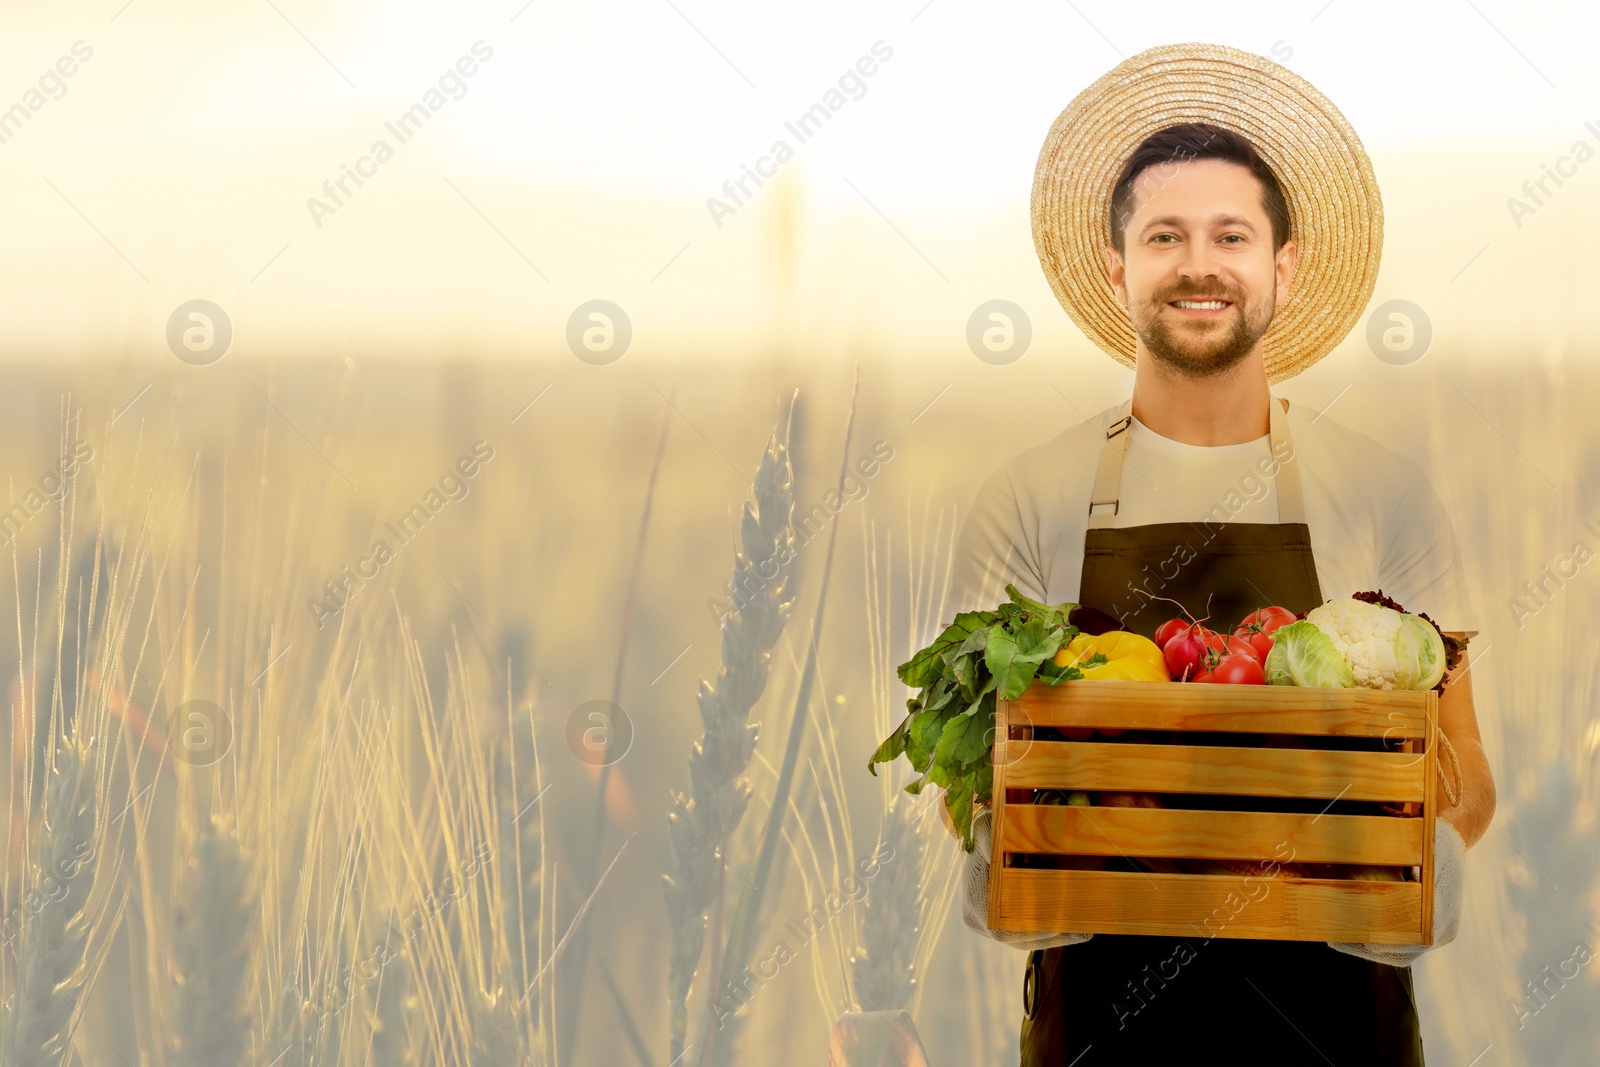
(1335, 212)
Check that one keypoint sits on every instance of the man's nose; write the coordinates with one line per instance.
(1199, 261)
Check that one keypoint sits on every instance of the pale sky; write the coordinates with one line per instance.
(575, 161)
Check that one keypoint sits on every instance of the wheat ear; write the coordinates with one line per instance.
(883, 969)
(38, 1024)
(211, 951)
(703, 820)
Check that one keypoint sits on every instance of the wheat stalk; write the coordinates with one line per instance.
(38, 1024)
(518, 845)
(210, 951)
(390, 1044)
(884, 968)
(495, 1031)
(699, 830)
(579, 956)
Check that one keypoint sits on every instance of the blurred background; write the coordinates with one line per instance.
(478, 283)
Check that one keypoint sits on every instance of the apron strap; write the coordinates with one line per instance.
(1108, 475)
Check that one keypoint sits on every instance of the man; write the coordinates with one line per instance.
(1239, 228)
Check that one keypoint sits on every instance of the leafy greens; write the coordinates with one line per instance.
(980, 656)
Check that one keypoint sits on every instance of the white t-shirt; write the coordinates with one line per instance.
(1376, 521)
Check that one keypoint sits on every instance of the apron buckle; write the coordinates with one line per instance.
(1118, 426)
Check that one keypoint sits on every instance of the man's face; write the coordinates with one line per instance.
(1198, 231)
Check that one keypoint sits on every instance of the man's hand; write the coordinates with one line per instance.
(944, 815)
(1474, 809)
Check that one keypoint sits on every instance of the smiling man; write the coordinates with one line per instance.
(1211, 221)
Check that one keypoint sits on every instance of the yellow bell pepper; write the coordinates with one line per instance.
(1129, 657)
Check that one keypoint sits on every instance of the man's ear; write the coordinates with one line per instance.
(1284, 266)
(1116, 274)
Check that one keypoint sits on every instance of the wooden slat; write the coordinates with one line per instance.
(1274, 772)
(1429, 813)
(1207, 905)
(1245, 835)
(999, 827)
(1277, 709)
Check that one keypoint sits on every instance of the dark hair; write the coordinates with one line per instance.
(1185, 143)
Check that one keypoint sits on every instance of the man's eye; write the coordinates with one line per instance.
(1234, 237)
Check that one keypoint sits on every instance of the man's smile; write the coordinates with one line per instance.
(1200, 309)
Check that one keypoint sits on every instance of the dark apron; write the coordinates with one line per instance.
(1119, 999)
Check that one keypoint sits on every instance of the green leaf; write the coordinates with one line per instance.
(958, 801)
(1054, 675)
(976, 641)
(928, 726)
(938, 696)
(964, 669)
(920, 754)
(984, 779)
(920, 669)
(954, 740)
(920, 759)
(979, 740)
(893, 745)
(1043, 641)
(1053, 615)
(966, 623)
(999, 657)
(1015, 660)
(1029, 635)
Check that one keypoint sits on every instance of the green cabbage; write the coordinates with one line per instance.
(1304, 655)
(1419, 654)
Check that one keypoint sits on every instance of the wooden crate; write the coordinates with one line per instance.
(1227, 905)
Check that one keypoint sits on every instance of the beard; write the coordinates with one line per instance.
(1207, 352)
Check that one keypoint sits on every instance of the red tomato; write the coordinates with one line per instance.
(1078, 733)
(1258, 626)
(1238, 669)
(1268, 619)
(1230, 645)
(1260, 643)
(1168, 629)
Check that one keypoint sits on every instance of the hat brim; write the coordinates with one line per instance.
(1335, 211)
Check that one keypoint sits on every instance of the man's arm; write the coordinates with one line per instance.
(1459, 722)
(998, 544)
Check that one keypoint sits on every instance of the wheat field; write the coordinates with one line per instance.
(277, 795)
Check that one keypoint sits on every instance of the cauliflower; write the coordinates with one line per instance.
(1386, 649)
